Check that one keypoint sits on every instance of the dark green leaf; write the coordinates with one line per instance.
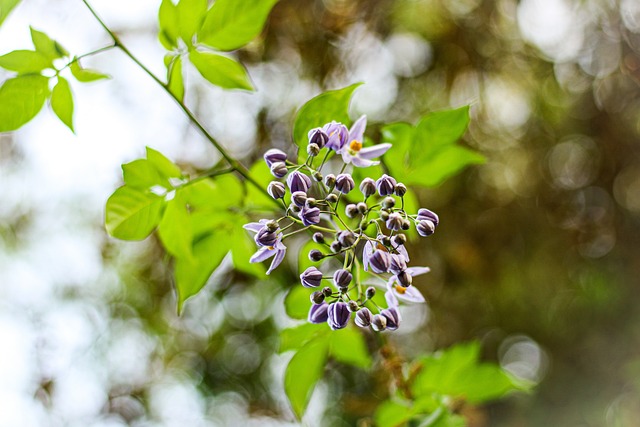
(297, 302)
(190, 16)
(221, 71)
(166, 167)
(25, 61)
(62, 102)
(348, 346)
(175, 81)
(192, 273)
(168, 23)
(21, 98)
(328, 106)
(46, 46)
(6, 6)
(294, 338)
(230, 24)
(304, 371)
(84, 75)
(175, 229)
(132, 214)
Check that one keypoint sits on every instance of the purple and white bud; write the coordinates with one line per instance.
(368, 187)
(331, 198)
(317, 297)
(327, 291)
(311, 277)
(386, 185)
(309, 216)
(351, 210)
(363, 317)
(338, 315)
(370, 292)
(318, 136)
(346, 238)
(276, 189)
(318, 237)
(313, 149)
(398, 264)
(388, 202)
(274, 155)
(394, 222)
(344, 183)
(318, 313)
(279, 169)
(342, 278)
(426, 214)
(401, 189)
(315, 255)
(352, 306)
(298, 198)
(393, 318)
(362, 207)
(378, 323)
(380, 261)
(335, 247)
(311, 202)
(297, 181)
(399, 239)
(425, 228)
(330, 180)
(266, 237)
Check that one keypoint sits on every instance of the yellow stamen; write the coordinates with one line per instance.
(270, 248)
(401, 290)
(355, 146)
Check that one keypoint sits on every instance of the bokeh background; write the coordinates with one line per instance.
(536, 256)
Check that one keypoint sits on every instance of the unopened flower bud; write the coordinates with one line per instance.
(388, 202)
(318, 237)
(352, 306)
(318, 313)
(404, 279)
(406, 224)
(335, 247)
(297, 181)
(384, 215)
(344, 183)
(276, 190)
(317, 297)
(331, 198)
(351, 210)
(362, 207)
(318, 137)
(399, 239)
(380, 261)
(425, 228)
(363, 317)
(266, 237)
(378, 323)
(271, 225)
(394, 222)
(393, 318)
(398, 264)
(294, 208)
(385, 240)
(317, 176)
(342, 278)
(368, 187)
(311, 202)
(338, 315)
(401, 189)
(370, 292)
(315, 255)
(274, 155)
(309, 216)
(311, 277)
(426, 214)
(313, 149)
(278, 169)
(330, 180)
(298, 198)
(346, 238)
(364, 224)
(327, 291)
(385, 185)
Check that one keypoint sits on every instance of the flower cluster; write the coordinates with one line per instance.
(363, 230)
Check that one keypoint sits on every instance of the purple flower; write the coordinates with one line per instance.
(398, 264)
(309, 216)
(386, 185)
(274, 155)
(276, 189)
(379, 260)
(393, 318)
(426, 214)
(279, 169)
(298, 198)
(378, 323)
(318, 313)
(338, 315)
(425, 228)
(297, 181)
(311, 277)
(394, 222)
(318, 136)
(363, 317)
(338, 135)
(265, 252)
(342, 278)
(352, 152)
(344, 183)
(368, 187)
(391, 299)
(405, 293)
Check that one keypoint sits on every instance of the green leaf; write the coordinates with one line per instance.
(62, 102)
(295, 338)
(175, 229)
(191, 274)
(84, 75)
(297, 302)
(328, 106)
(175, 81)
(132, 214)
(190, 16)
(25, 61)
(256, 199)
(392, 414)
(221, 71)
(348, 346)
(142, 175)
(21, 98)
(230, 24)
(303, 372)
(46, 46)
(166, 167)
(6, 6)
(168, 23)
(242, 248)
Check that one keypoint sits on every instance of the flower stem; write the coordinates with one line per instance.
(84, 55)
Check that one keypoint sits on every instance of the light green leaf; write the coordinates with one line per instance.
(62, 102)
(6, 6)
(165, 167)
(256, 199)
(296, 337)
(25, 61)
(191, 274)
(168, 23)
(143, 175)
(348, 346)
(175, 229)
(21, 98)
(190, 16)
(297, 302)
(303, 372)
(230, 24)
(392, 414)
(221, 71)
(132, 214)
(46, 46)
(175, 80)
(84, 75)
(328, 106)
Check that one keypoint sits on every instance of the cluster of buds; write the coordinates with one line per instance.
(363, 230)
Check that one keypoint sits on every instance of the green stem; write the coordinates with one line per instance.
(209, 174)
(84, 55)
(233, 163)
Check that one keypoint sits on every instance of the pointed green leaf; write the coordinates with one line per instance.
(175, 229)
(191, 274)
(132, 214)
(296, 337)
(328, 106)
(165, 167)
(6, 6)
(143, 175)
(21, 98)
(174, 78)
(168, 23)
(190, 16)
(392, 414)
(230, 24)
(220, 70)
(348, 346)
(303, 372)
(25, 61)
(297, 302)
(46, 46)
(62, 102)
(84, 75)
